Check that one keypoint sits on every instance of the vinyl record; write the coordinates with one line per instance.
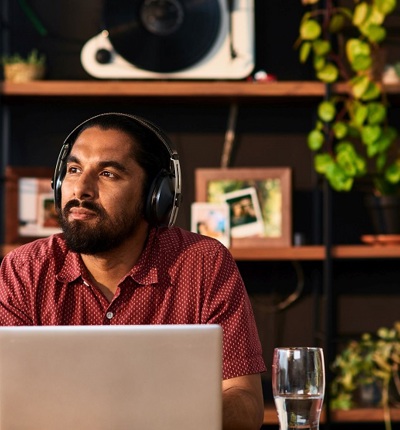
(162, 35)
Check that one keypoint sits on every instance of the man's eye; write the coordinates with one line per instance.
(71, 170)
(108, 174)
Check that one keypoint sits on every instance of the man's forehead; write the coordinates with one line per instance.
(97, 137)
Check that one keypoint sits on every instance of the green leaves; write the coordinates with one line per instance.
(358, 112)
(392, 173)
(358, 54)
(359, 85)
(321, 47)
(310, 29)
(315, 140)
(351, 128)
(361, 12)
(33, 58)
(376, 113)
(372, 358)
(328, 74)
(327, 111)
(335, 174)
(340, 130)
(385, 6)
(369, 18)
(305, 51)
(370, 134)
(341, 169)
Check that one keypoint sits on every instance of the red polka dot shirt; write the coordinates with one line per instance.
(180, 278)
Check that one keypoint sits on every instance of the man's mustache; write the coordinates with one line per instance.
(83, 204)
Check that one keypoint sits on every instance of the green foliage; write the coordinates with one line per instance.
(33, 58)
(374, 358)
(351, 138)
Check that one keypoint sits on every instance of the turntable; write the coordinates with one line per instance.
(173, 39)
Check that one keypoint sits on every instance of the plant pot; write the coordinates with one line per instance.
(384, 213)
(368, 395)
(22, 72)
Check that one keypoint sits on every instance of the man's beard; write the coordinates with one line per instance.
(103, 235)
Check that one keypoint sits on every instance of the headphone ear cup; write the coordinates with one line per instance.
(160, 200)
(59, 173)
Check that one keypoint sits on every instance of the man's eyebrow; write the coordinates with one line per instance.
(72, 159)
(102, 164)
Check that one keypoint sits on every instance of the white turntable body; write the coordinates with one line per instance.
(218, 63)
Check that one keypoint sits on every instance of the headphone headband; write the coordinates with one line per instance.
(165, 194)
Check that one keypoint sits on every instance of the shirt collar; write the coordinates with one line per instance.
(144, 272)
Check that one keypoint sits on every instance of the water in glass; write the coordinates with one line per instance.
(298, 383)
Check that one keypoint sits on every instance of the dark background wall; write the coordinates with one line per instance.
(269, 134)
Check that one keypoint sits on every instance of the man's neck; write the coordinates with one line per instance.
(107, 269)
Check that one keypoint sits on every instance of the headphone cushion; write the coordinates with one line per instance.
(160, 199)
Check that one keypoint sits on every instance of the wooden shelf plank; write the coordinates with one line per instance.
(310, 252)
(316, 252)
(182, 89)
(287, 253)
(366, 251)
(176, 89)
(364, 415)
(358, 415)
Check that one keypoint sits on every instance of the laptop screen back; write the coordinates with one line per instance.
(111, 378)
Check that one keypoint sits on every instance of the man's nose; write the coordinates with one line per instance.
(84, 187)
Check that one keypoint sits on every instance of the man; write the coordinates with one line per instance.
(118, 261)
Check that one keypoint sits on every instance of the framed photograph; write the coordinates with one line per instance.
(211, 219)
(259, 200)
(245, 213)
(30, 211)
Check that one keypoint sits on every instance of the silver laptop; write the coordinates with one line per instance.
(111, 378)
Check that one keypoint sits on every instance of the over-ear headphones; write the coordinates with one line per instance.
(164, 197)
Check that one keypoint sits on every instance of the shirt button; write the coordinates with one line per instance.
(109, 315)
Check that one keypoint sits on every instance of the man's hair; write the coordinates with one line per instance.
(147, 149)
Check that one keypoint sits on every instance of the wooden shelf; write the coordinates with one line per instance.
(181, 89)
(287, 253)
(359, 415)
(176, 89)
(301, 253)
(365, 251)
(316, 252)
(364, 415)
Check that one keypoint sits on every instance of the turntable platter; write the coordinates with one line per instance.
(162, 35)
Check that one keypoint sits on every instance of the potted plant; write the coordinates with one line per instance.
(371, 361)
(22, 69)
(352, 137)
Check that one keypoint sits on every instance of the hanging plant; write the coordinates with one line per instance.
(352, 137)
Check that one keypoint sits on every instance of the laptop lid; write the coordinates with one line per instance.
(111, 378)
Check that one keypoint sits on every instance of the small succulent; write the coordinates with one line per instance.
(33, 58)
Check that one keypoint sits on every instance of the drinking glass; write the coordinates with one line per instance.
(298, 386)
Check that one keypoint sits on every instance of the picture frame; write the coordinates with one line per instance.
(245, 212)
(211, 219)
(29, 204)
(268, 191)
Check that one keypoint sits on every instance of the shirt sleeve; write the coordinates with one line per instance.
(227, 304)
(14, 305)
